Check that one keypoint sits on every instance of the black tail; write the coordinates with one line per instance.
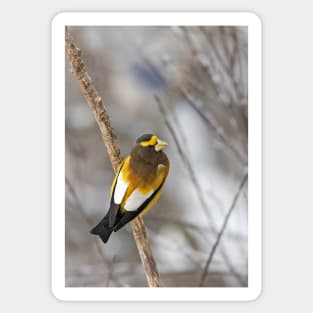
(102, 229)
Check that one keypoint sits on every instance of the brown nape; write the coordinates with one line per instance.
(145, 160)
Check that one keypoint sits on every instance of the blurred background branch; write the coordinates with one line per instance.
(110, 140)
(190, 86)
(221, 232)
(199, 190)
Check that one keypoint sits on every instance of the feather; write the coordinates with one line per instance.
(136, 199)
(102, 229)
(128, 216)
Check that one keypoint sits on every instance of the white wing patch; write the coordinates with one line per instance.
(120, 189)
(136, 199)
(161, 167)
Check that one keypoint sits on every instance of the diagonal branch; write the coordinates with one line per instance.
(197, 186)
(88, 222)
(109, 137)
(221, 232)
(212, 123)
(185, 160)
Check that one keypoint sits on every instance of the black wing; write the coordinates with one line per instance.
(128, 216)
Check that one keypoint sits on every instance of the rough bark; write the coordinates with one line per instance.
(110, 139)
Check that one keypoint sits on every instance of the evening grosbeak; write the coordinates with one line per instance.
(136, 186)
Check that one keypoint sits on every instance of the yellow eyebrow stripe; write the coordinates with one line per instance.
(153, 140)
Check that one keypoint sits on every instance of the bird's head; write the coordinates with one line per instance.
(149, 141)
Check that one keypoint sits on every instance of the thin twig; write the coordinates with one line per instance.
(209, 65)
(87, 221)
(211, 122)
(111, 142)
(185, 160)
(222, 68)
(196, 184)
(219, 236)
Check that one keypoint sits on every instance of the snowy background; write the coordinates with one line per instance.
(200, 76)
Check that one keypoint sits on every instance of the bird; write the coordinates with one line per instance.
(136, 186)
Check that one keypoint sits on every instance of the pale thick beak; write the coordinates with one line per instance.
(160, 145)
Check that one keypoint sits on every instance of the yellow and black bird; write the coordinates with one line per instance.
(136, 186)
